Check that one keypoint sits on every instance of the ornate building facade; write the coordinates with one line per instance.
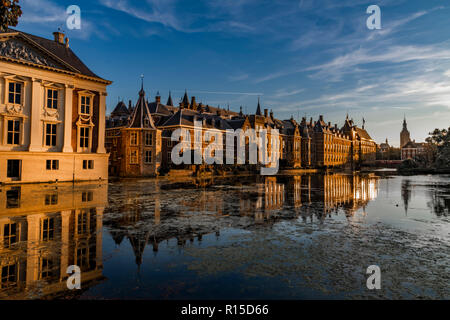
(52, 112)
(313, 144)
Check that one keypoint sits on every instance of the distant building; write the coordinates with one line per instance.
(404, 134)
(410, 149)
(302, 145)
(52, 112)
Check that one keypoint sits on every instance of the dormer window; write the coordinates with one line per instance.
(15, 92)
(52, 98)
(86, 105)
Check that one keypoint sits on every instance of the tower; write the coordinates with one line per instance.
(404, 134)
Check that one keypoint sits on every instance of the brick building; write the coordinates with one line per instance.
(313, 144)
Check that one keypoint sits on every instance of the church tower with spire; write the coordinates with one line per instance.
(404, 134)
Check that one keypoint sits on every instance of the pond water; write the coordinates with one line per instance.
(309, 236)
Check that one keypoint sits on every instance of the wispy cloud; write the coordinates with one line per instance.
(238, 77)
(284, 93)
(155, 11)
(225, 92)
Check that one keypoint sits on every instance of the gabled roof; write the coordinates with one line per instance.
(61, 57)
(181, 117)
(363, 133)
(141, 117)
(120, 110)
(158, 108)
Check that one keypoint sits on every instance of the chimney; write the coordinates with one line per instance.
(129, 104)
(266, 113)
(59, 37)
(67, 42)
(329, 124)
(271, 115)
(158, 99)
(321, 118)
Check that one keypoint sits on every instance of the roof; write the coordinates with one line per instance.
(158, 108)
(363, 133)
(414, 145)
(120, 110)
(61, 57)
(141, 117)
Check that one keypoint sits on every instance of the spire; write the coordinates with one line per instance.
(185, 101)
(258, 109)
(405, 125)
(169, 101)
(141, 117)
(142, 92)
(240, 112)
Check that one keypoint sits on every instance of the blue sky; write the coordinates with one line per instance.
(304, 57)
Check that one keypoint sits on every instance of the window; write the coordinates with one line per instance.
(133, 139)
(9, 276)
(133, 157)
(87, 196)
(46, 267)
(10, 236)
(85, 106)
(148, 139)
(52, 98)
(51, 199)
(88, 164)
(148, 156)
(13, 169)
(50, 134)
(13, 135)
(47, 229)
(15, 93)
(13, 198)
(83, 223)
(83, 258)
(52, 164)
(84, 137)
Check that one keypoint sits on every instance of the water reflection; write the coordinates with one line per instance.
(43, 230)
(188, 210)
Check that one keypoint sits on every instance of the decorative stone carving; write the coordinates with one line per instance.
(14, 109)
(16, 49)
(51, 113)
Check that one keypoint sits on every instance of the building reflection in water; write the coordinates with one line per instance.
(43, 230)
(188, 210)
